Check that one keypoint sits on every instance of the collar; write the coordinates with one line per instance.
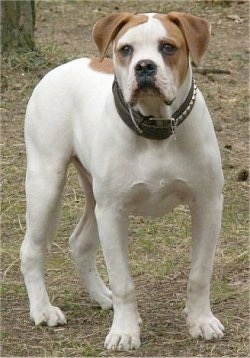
(151, 127)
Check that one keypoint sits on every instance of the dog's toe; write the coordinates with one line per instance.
(51, 316)
(104, 301)
(122, 342)
(206, 327)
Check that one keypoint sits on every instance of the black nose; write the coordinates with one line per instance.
(145, 68)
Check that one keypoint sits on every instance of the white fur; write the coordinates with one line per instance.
(71, 117)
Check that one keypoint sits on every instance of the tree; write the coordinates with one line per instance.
(17, 26)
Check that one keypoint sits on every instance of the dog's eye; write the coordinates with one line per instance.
(167, 49)
(126, 50)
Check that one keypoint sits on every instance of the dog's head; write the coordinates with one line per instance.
(151, 52)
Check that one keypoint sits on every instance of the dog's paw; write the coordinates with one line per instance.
(50, 316)
(103, 297)
(116, 341)
(207, 327)
(104, 301)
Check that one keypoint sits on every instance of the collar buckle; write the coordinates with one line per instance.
(162, 122)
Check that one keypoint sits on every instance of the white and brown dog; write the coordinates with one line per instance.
(141, 137)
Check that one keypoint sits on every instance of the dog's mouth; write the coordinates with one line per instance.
(146, 87)
(145, 82)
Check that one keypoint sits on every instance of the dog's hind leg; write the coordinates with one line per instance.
(84, 243)
(44, 184)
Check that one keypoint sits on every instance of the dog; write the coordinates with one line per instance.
(140, 135)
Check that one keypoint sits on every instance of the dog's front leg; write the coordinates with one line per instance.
(206, 223)
(113, 232)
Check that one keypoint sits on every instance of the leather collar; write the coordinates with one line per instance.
(151, 127)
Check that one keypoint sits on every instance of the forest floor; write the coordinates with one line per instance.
(159, 248)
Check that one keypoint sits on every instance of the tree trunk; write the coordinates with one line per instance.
(17, 26)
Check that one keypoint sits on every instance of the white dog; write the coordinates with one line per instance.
(141, 137)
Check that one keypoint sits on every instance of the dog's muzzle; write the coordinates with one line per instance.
(145, 71)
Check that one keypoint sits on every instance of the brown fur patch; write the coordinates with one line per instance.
(133, 22)
(179, 60)
(104, 66)
(108, 27)
(196, 31)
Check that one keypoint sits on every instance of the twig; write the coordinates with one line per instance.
(205, 71)
(8, 268)
(20, 224)
(59, 247)
(245, 253)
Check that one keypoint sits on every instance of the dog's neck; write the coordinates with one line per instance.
(151, 106)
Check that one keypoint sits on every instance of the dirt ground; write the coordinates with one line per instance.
(159, 248)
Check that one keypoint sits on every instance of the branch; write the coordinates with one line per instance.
(205, 71)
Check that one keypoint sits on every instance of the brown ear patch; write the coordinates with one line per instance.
(104, 66)
(196, 32)
(136, 20)
(108, 27)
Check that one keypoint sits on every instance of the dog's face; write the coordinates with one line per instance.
(151, 51)
(150, 59)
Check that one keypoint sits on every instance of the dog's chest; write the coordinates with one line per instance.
(153, 183)
(155, 197)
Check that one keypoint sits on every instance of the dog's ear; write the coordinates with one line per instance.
(196, 31)
(106, 29)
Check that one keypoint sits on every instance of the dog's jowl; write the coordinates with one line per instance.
(139, 133)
